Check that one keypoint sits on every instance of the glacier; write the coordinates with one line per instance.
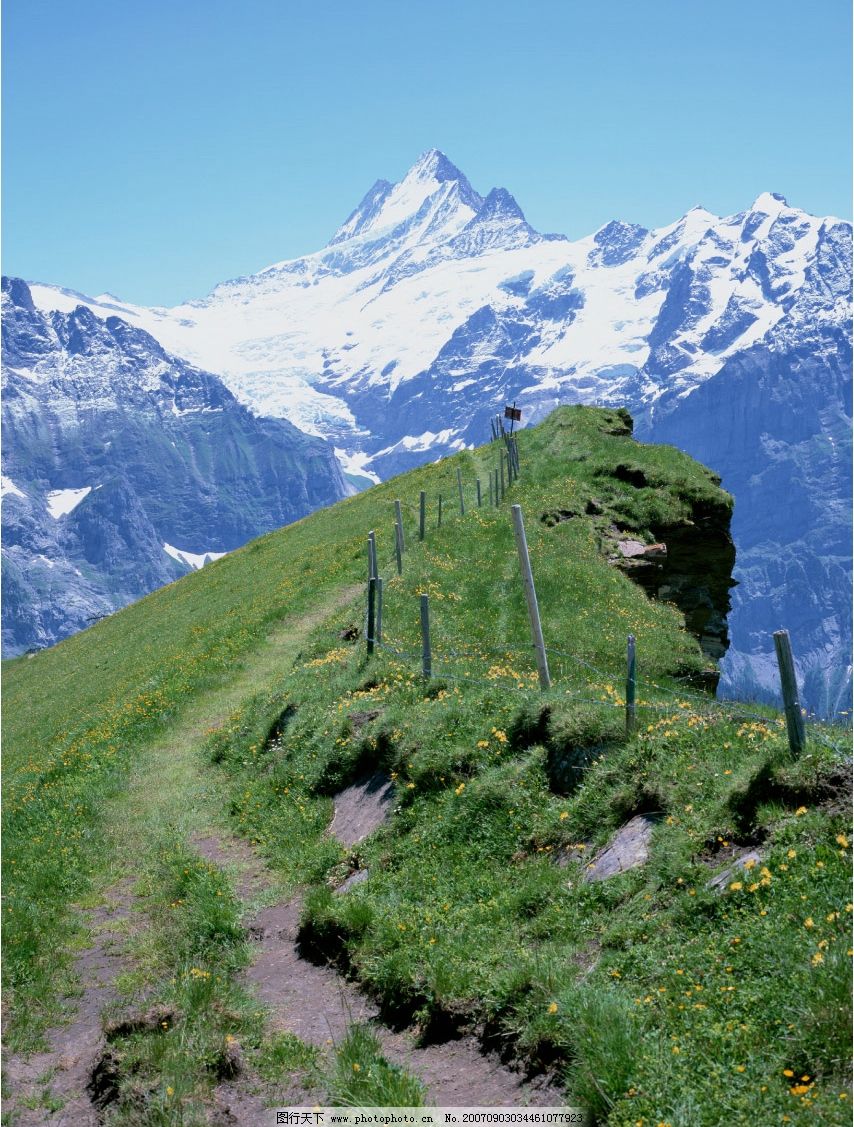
(433, 304)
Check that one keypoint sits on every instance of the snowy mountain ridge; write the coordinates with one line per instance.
(113, 453)
(414, 261)
(432, 305)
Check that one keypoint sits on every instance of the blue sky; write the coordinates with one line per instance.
(153, 149)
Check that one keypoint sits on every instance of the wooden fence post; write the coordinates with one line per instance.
(490, 489)
(497, 498)
(631, 682)
(422, 513)
(788, 683)
(372, 555)
(460, 487)
(492, 428)
(501, 473)
(479, 499)
(398, 552)
(426, 660)
(398, 516)
(531, 597)
(379, 634)
(372, 602)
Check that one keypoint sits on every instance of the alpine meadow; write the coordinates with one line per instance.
(250, 863)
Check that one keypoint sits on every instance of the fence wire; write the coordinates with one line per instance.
(709, 708)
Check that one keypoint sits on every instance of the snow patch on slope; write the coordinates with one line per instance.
(7, 486)
(193, 560)
(61, 502)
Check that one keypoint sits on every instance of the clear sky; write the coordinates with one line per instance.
(153, 148)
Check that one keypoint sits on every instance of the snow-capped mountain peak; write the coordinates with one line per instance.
(771, 203)
(388, 206)
(433, 305)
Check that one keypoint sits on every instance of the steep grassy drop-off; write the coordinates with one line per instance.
(648, 994)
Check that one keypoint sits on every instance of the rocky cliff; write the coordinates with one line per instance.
(123, 467)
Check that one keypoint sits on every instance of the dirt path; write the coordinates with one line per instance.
(318, 1005)
(171, 788)
(51, 1087)
(168, 787)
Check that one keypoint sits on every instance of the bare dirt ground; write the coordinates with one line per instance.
(51, 1087)
(318, 1004)
(63, 1086)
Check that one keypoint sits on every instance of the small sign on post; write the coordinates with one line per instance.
(531, 597)
(514, 414)
(789, 685)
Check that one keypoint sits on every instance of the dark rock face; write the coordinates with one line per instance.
(691, 566)
(697, 576)
(166, 453)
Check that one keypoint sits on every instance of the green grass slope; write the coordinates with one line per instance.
(655, 997)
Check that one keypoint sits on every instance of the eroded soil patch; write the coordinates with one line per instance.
(58, 1082)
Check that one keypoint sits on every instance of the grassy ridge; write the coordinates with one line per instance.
(658, 998)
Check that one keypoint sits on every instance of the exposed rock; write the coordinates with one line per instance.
(627, 849)
(359, 877)
(740, 864)
(691, 566)
(362, 808)
(632, 549)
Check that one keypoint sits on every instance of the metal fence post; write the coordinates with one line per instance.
(531, 597)
(788, 683)
(630, 684)
(426, 659)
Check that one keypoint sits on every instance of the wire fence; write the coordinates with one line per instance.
(462, 663)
